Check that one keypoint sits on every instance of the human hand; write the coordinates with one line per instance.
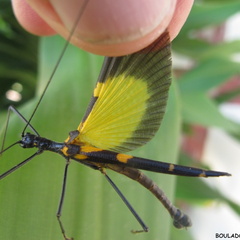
(108, 28)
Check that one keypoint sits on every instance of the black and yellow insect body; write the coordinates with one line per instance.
(125, 112)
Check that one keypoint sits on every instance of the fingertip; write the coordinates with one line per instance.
(30, 20)
(121, 48)
(182, 10)
(118, 28)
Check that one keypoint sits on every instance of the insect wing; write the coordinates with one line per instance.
(129, 99)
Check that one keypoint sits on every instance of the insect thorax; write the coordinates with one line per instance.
(33, 141)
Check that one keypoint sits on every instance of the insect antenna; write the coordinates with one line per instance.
(67, 42)
(28, 122)
(14, 110)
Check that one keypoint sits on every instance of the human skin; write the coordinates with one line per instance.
(109, 28)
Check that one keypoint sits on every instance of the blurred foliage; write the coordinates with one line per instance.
(211, 67)
(212, 63)
(18, 57)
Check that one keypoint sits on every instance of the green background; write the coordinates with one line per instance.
(92, 210)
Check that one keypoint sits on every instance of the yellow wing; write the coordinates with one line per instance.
(129, 99)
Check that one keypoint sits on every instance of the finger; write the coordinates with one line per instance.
(180, 15)
(115, 29)
(30, 20)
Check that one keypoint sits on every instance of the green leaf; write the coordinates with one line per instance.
(207, 75)
(186, 190)
(190, 47)
(225, 97)
(207, 14)
(92, 210)
(18, 57)
(197, 108)
(222, 50)
(201, 50)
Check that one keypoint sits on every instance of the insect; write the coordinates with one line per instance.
(125, 112)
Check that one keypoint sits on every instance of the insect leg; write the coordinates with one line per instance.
(19, 165)
(180, 220)
(59, 212)
(144, 227)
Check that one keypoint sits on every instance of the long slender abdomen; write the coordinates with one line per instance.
(109, 157)
(180, 220)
